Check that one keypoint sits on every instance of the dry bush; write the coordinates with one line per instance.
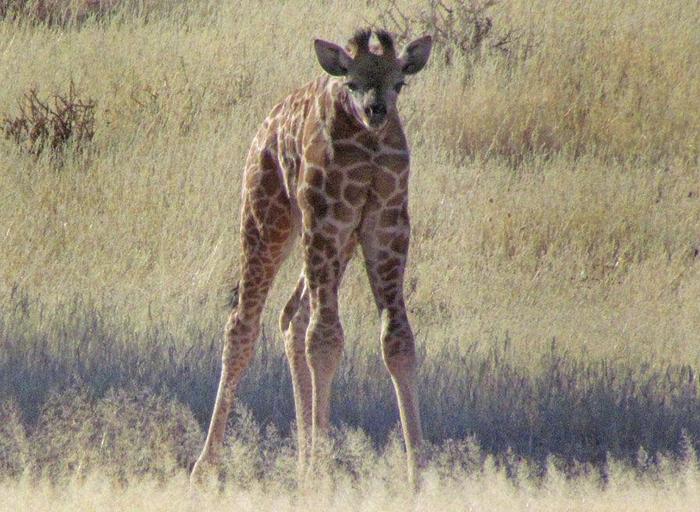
(51, 124)
(462, 26)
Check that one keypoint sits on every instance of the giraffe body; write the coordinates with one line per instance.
(330, 164)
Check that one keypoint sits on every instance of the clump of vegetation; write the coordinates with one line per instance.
(462, 26)
(126, 433)
(51, 12)
(51, 124)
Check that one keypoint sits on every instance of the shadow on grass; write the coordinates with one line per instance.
(576, 410)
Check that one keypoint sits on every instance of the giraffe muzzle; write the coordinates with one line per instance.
(376, 114)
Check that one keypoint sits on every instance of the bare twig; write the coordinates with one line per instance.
(53, 123)
(463, 26)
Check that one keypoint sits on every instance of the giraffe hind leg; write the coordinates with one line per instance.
(262, 254)
(290, 309)
(294, 321)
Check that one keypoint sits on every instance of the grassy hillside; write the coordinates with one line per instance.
(553, 281)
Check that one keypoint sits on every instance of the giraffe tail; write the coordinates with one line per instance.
(232, 296)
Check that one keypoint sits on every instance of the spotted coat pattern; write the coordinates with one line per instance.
(316, 172)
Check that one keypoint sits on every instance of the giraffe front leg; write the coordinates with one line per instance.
(324, 346)
(325, 262)
(385, 239)
(398, 350)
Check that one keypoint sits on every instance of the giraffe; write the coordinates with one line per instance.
(329, 163)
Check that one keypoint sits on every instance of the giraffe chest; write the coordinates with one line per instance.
(349, 174)
(381, 169)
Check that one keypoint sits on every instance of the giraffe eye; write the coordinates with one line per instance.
(399, 86)
(352, 86)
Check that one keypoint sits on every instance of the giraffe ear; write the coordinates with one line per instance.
(415, 56)
(333, 59)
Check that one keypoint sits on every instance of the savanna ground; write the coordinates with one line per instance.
(553, 283)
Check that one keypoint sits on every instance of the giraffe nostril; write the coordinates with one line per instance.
(378, 109)
(376, 114)
(375, 110)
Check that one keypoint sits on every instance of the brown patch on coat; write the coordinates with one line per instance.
(395, 162)
(362, 174)
(369, 141)
(343, 126)
(270, 182)
(353, 194)
(314, 177)
(315, 201)
(319, 242)
(384, 184)
(395, 137)
(342, 212)
(390, 217)
(345, 154)
(334, 181)
(400, 244)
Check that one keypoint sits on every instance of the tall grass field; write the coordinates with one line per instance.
(553, 278)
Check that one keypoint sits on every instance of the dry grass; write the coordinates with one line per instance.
(486, 491)
(123, 451)
(554, 196)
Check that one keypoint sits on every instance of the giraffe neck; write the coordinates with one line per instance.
(343, 102)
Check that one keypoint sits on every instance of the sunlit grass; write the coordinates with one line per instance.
(125, 452)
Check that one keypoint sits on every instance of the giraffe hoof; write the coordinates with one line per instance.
(202, 474)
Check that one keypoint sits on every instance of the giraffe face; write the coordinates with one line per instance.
(374, 83)
(373, 76)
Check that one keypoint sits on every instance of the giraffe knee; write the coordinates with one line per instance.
(239, 340)
(293, 346)
(294, 322)
(398, 345)
(324, 342)
(294, 342)
(399, 354)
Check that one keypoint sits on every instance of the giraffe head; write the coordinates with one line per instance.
(374, 75)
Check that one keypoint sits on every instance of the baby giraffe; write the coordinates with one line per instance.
(331, 163)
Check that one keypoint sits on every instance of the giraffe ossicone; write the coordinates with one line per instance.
(330, 163)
